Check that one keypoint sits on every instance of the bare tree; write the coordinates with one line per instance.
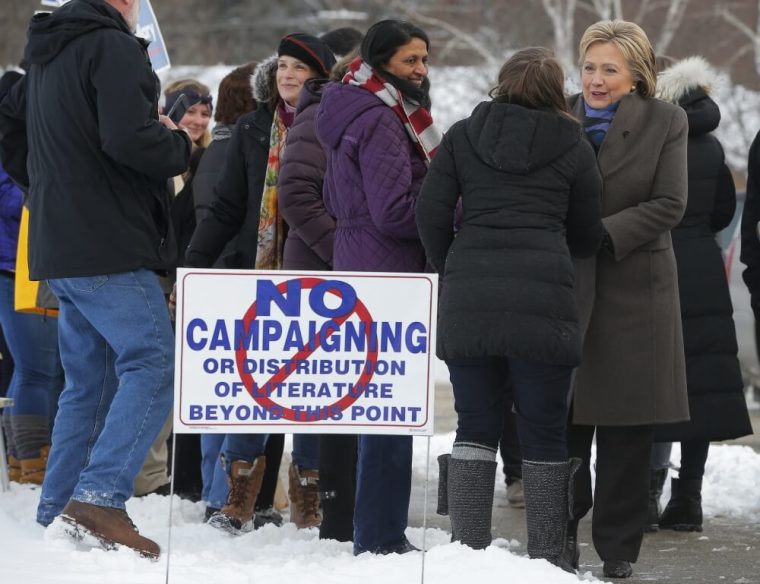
(561, 13)
(605, 9)
(488, 53)
(670, 25)
(751, 35)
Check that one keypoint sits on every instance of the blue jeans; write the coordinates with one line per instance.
(250, 446)
(211, 448)
(117, 349)
(540, 392)
(32, 340)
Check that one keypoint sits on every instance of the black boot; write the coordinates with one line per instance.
(684, 510)
(470, 500)
(548, 503)
(617, 569)
(571, 554)
(656, 482)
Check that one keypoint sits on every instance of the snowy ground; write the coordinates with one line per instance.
(202, 555)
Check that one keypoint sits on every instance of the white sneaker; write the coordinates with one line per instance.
(516, 495)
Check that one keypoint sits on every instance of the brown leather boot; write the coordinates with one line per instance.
(33, 469)
(109, 526)
(303, 490)
(14, 469)
(244, 482)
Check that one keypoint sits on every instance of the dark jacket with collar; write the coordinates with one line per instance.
(717, 407)
(234, 212)
(98, 158)
(530, 192)
(311, 233)
(633, 370)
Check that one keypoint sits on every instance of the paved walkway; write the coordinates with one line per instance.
(727, 551)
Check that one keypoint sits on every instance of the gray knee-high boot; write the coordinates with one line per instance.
(470, 500)
(548, 507)
(443, 484)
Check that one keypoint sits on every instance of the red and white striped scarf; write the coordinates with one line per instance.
(416, 119)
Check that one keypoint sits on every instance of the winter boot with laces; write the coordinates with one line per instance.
(14, 469)
(303, 491)
(548, 504)
(684, 510)
(244, 482)
(656, 482)
(109, 526)
(33, 469)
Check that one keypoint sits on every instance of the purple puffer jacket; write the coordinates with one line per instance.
(371, 183)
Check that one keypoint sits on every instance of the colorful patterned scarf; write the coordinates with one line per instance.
(271, 238)
(416, 119)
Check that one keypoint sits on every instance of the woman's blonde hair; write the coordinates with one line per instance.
(200, 89)
(633, 43)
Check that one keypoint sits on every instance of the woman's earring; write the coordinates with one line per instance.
(633, 88)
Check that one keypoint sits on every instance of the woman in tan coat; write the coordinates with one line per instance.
(632, 374)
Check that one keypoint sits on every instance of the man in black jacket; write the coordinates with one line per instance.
(99, 157)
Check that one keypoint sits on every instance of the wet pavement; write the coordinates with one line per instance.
(726, 552)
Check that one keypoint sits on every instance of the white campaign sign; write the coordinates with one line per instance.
(305, 352)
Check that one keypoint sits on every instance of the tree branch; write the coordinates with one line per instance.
(468, 39)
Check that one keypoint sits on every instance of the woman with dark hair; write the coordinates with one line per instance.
(633, 375)
(246, 206)
(309, 246)
(717, 407)
(234, 98)
(379, 138)
(530, 194)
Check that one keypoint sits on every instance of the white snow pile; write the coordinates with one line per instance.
(203, 555)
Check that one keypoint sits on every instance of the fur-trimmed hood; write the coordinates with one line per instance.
(685, 76)
(688, 83)
(264, 78)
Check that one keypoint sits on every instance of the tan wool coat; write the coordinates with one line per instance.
(633, 369)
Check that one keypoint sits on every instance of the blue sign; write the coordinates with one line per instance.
(147, 28)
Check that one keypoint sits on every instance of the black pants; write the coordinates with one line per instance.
(509, 445)
(540, 396)
(693, 458)
(337, 485)
(621, 496)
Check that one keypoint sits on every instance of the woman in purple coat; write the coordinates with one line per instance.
(378, 136)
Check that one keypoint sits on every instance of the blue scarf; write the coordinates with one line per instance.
(597, 121)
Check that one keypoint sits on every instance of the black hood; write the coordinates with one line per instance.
(50, 32)
(702, 111)
(519, 140)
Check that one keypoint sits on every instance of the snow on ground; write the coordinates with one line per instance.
(203, 555)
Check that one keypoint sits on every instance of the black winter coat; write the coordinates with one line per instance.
(237, 197)
(717, 407)
(530, 191)
(209, 169)
(98, 158)
(204, 182)
(311, 234)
